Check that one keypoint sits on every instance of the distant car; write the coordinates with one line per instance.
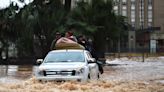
(68, 65)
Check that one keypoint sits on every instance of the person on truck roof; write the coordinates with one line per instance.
(69, 35)
(58, 35)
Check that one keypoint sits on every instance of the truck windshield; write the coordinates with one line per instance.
(64, 57)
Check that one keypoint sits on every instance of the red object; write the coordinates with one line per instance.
(70, 33)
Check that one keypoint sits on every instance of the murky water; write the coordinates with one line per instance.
(124, 70)
(14, 73)
(120, 75)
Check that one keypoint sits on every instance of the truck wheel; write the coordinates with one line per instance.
(89, 77)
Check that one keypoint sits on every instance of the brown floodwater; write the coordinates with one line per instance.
(120, 75)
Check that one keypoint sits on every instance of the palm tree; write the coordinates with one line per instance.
(98, 20)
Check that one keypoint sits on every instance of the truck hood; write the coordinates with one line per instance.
(62, 66)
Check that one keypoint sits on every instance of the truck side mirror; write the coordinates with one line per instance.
(39, 61)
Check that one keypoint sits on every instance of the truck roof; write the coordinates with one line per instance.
(67, 50)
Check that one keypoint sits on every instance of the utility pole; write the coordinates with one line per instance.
(142, 25)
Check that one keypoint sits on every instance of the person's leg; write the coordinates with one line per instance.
(100, 67)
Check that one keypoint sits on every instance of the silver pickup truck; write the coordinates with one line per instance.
(67, 65)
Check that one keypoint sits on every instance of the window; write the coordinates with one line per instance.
(65, 57)
(116, 0)
(124, 13)
(149, 12)
(115, 8)
(132, 0)
(124, 2)
(149, 16)
(132, 7)
(150, 20)
(132, 19)
(150, 7)
(132, 14)
(124, 7)
(116, 12)
(149, 24)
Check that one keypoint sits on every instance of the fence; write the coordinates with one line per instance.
(136, 56)
(136, 50)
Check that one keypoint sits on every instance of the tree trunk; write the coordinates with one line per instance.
(68, 4)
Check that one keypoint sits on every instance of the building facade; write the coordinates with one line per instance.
(146, 18)
(159, 22)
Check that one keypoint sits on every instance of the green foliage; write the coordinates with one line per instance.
(98, 20)
(7, 27)
(34, 25)
(42, 20)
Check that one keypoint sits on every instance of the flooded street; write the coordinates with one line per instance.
(14, 73)
(133, 70)
(120, 75)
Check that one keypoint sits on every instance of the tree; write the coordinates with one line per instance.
(40, 20)
(97, 19)
(7, 26)
(34, 26)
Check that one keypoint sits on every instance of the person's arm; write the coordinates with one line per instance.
(52, 45)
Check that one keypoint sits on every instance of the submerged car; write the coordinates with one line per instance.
(68, 65)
